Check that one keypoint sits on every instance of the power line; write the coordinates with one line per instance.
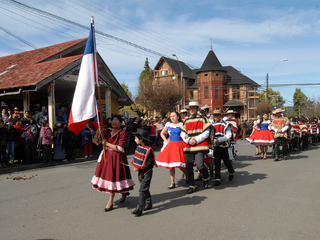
(291, 84)
(41, 12)
(19, 38)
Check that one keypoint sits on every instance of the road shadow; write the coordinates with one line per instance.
(241, 178)
(185, 201)
(295, 157)
(173, 196)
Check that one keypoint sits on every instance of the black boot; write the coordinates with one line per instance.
(137, 211)
(142, 202)
(148, 204)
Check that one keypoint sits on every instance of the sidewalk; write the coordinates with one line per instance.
(23, 167)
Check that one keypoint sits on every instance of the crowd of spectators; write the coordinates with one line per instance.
(153, 125)
(26, 138)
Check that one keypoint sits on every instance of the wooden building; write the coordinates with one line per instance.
(47, 77)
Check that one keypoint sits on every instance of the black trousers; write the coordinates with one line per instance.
(144, 193)
(304, 140)
(295, 142)
(198, 159)
(29, 154)
(280, 141)
(221, 154)
(46, 153)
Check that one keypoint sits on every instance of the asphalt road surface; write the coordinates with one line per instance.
(266, 200)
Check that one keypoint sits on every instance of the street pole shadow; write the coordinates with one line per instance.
(240, 179)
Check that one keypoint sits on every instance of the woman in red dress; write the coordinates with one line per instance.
(112, 173)
(171, 155)
(262, 136)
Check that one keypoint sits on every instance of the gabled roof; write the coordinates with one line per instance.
(174, 64)
(235, 77)
(211, 63)
(31, 67)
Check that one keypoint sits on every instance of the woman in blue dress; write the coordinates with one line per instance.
(171, 155)
(262, 136)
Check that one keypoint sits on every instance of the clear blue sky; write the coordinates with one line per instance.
(251, 36)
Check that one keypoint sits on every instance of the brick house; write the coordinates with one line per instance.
(220, 87)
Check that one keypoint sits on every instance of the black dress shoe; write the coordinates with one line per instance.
(206, 184)
(231, 175)
(108, 209)
(276, 159)
(172, 186)
(217, 182)
(191, 190)
(124, 198)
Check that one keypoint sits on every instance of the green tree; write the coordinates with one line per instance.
(126, 89)
(275, 99)
(143, 81)
(299, 100)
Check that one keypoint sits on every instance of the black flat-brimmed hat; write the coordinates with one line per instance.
(143, 134)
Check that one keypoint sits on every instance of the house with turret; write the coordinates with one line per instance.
(219, 87)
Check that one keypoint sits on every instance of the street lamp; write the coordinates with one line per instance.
(267, 87)
(181, 80)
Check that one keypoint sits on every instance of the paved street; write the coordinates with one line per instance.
(266, 200)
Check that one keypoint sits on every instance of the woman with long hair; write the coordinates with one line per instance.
(262, 136)
(171, 155)
(112, 173)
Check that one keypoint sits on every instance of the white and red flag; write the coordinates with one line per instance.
(83, 104)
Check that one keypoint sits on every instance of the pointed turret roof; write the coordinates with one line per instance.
(211, 63)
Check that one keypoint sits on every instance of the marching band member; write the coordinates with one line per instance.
(195, 131)
(314, 131)
(304, 132)
(235, 126)
(183, 114)
(223, 133)
(280, 125)
(295, 134)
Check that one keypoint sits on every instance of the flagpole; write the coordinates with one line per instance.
(96, 77)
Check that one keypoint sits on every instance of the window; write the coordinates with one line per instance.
(217, 91)
(236, 92)
(206, 89)
(206, 74)
(199, 93)
(164, 72)
(191, 95)
(173, 77)
(217, 74)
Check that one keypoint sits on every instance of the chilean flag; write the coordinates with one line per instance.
(83, 104)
